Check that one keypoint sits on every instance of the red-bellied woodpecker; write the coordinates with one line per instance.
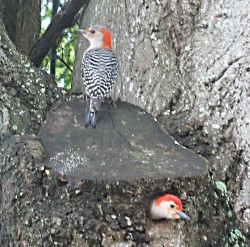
(99, 70)
(166, 207)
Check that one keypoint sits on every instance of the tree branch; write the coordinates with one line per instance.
(54, 45)
(56, 56)
(62, 20)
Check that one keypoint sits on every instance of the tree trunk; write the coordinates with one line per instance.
(54, 45)
(187, 63)
(22, 22)
(42, 207)
(26, 93)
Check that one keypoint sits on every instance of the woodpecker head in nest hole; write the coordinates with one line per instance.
(167, 206)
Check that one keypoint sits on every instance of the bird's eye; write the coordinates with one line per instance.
(172, 205)
(92, 31)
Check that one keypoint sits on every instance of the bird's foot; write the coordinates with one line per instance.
(111, 102)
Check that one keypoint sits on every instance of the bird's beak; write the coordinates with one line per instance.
(183, 215)
(81, 31)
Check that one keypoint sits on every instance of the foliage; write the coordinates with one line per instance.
(65, 52)
(236, 237)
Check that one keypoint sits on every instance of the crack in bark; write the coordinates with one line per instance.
(117, 131)
(224, 52)
(126, 14)
(223, 95)
(222, 73)
(131, 146)
(176, 46)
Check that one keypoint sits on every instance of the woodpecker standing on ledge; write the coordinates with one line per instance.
(99, 70)
(166, 207)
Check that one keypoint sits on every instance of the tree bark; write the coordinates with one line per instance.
(187, 63)
(22, 22)
(40, 209)
(26, 93)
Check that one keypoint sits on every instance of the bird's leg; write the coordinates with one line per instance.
(111, 102)
(87, 114)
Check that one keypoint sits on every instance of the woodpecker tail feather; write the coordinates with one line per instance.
(93, 118)
(87, 115)
(91, 112)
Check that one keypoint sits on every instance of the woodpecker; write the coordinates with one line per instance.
(166, 207)
(99, 70)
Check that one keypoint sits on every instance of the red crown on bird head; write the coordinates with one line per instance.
(168, 197)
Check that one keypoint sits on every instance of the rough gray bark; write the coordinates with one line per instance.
(187, 63)
(37, 209)
(22, 22)
(26, 93)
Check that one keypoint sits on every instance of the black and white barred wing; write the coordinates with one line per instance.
(99, 72)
